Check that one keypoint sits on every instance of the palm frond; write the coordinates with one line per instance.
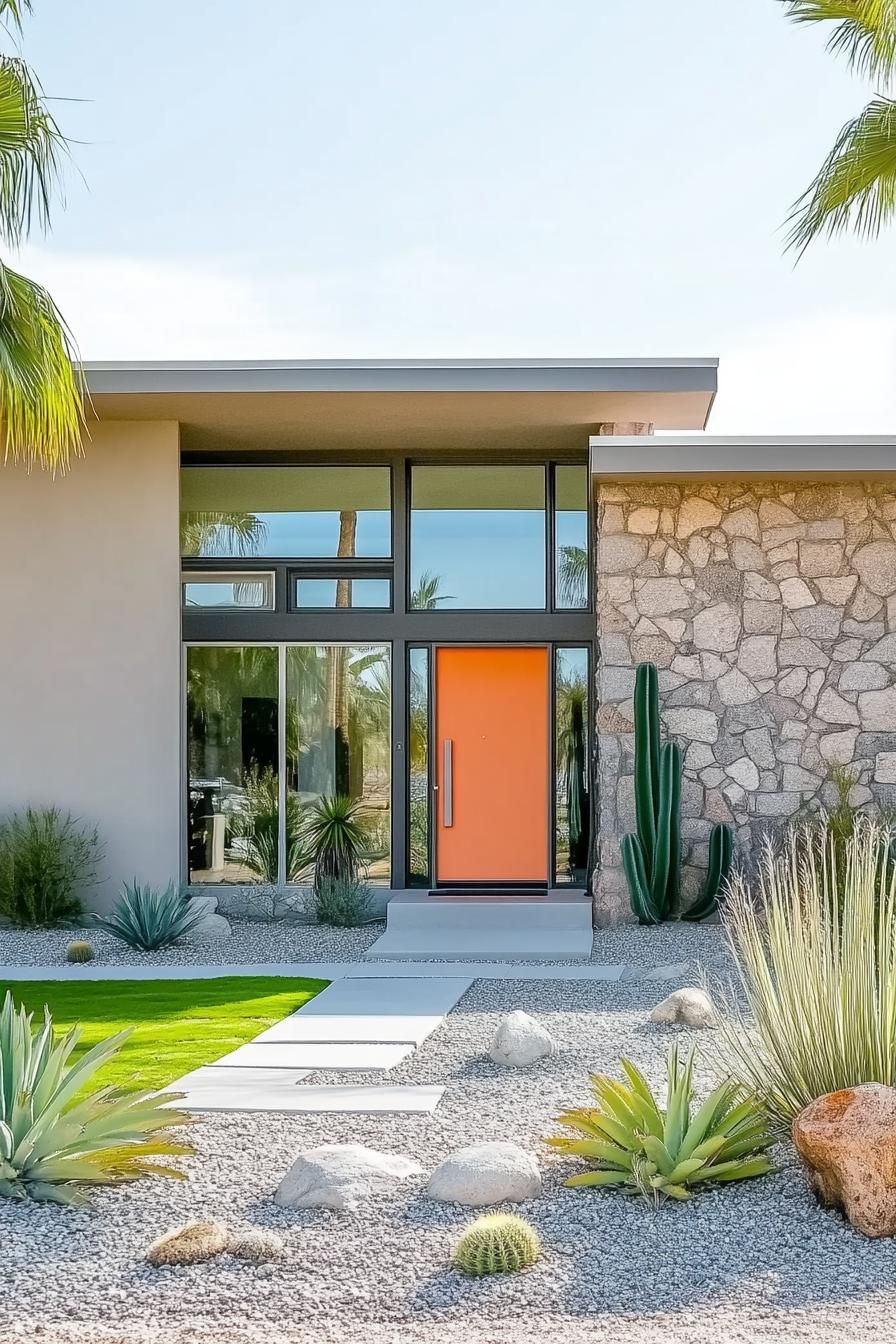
(221, 533)
(856, 186)
(31, 148)
(40, 385)
(572, 576)
(15, 9)
(865, 31)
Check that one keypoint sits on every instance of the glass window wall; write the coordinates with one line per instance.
(477, 538)
(286, 511)
(232, 752)
(338, 745)
(571, 538)
(572, 801)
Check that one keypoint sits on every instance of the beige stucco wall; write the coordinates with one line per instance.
(89, 675)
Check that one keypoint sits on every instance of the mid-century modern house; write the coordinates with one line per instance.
(426, 585)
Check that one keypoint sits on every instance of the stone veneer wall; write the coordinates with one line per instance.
(770, 610)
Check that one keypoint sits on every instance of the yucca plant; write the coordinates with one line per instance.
(51, 1143)
(337, 837)
(147, 918)
(815, 950)
(664, 1153)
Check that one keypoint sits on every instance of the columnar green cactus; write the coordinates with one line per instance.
(498, 1243)
(721, 852)
(651, 858)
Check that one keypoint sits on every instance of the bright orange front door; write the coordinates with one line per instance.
(492, 764)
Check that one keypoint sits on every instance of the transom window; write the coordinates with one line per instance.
(287, 511)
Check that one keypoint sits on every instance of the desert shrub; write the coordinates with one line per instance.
(79, 951)
(344, 903)
(52, 1145)
(497, 1243)
(815, 949)
(336, 837)
(658, 1152)
(147, 918)
(259, 827)
(46, 858)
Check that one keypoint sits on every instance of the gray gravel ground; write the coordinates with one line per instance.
(251, 942)
(254, 942)
(756, 1262)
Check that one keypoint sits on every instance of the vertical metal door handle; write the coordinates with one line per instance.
(447, 782)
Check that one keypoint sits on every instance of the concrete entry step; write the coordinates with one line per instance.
(555, 927)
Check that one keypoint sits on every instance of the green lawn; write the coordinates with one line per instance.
(178, 1024)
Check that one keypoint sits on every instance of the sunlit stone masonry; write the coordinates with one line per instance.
(770, 610)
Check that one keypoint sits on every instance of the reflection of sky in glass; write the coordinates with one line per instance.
(362, 592)
(243, 593)
(484, 558)
(317, 534)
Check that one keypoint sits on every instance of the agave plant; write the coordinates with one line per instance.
(337, 837)
(632, 1142)
(147, 918)
(51, 1143)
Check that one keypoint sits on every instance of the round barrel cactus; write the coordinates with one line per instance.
(498, 1243)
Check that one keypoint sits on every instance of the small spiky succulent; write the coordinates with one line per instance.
(498, 1243)
(79, 950)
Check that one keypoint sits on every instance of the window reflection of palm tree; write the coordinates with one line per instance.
(572, 762)
(221, 533)
(572, 577)
(426, 596)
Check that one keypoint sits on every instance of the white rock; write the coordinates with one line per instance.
(486, 1173)
(520, 1040)
(341, 1176)
(690, 1007)
(210, 928)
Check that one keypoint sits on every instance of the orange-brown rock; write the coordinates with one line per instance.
(847, 1141)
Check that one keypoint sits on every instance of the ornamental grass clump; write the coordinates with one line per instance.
(53, 1139)
(815, 949)
(635, 1144)
(47, 858)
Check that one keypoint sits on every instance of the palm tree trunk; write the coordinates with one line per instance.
(337, 687)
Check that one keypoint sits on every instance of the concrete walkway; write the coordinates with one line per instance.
(357, 1024)
(343, 970)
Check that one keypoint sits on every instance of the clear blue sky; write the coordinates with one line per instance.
(485, 177)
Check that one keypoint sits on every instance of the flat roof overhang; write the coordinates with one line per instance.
(402, 405)
(702, 456)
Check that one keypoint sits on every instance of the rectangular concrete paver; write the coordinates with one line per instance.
(350, 1057)
(220, 1078)
(420, 997)
(359, 1028)
(248, 1095)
